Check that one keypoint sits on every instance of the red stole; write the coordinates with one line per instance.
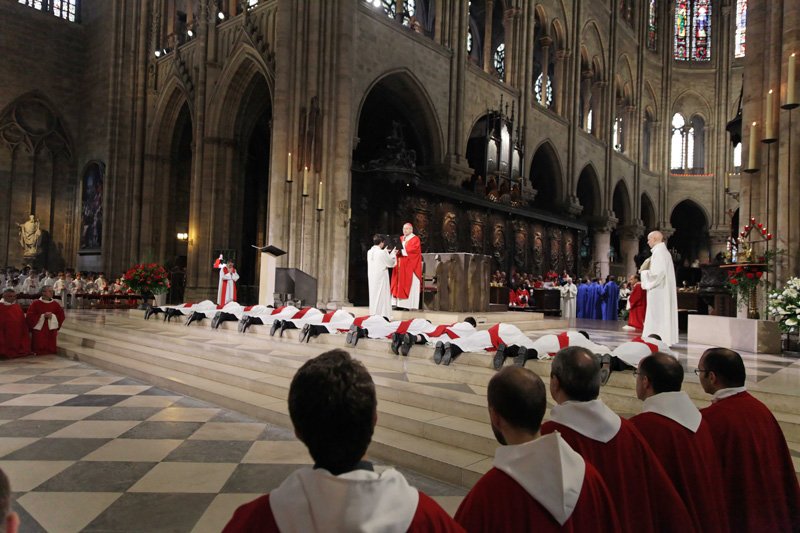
(442, 330)
(494, 337)
(301, 313)
(327, 317)
(225, 282)
(278, 310)
(360, 320)
(653, 347)
(403, 327)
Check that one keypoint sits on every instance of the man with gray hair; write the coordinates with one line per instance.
(646, 498)
(658, 279)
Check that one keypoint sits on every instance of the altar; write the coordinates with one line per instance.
(740, 334)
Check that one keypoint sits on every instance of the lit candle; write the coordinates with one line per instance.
(320, 197)
(791, 98)
(768, 129)
(751, 160)
(289, 168)
(305, 181)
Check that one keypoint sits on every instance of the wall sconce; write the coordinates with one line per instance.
(183, 237)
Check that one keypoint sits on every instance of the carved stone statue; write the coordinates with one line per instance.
(30, 237)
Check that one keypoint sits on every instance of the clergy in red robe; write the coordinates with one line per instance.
(758, 476)
(45, 317)
(15, 341)
(677, 433)
(407, 275)
(644, 496)
(637, 302)
(536, 483)
(333, 407)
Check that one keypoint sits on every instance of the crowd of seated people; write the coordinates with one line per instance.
(72, 287)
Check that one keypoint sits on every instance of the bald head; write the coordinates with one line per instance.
(518, 395)
(663, 372)
(408, 229)
(654, 237)
(578, 373)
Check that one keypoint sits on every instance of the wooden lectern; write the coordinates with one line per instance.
(266, 282)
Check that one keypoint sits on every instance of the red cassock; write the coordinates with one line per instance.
(512, 509)
(638, 301)
(407, 267)
(644, 497)
(257, 517)
(15, 341)
(690, 462)
(44, 339)
(757, 472)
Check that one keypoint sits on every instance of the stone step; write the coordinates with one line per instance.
(442, 460)
(430, 423)
(286, 354)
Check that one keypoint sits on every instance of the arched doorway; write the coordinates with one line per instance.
(624, 247)
(546, 179)
(588, 193)
(251, 177)
(398, 141)
(177, 215)
(690, 242)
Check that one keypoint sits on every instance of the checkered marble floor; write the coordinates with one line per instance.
(88, 450)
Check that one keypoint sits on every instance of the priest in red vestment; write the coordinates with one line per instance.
(407, 275)
(677, 433)
(15, 341)
(333, 407)
(45, 317)
(758, 476)
(644, 496)
(536, 483)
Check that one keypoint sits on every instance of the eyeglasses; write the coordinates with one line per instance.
(699, 371)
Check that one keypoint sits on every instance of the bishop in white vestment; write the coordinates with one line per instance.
(658, 279)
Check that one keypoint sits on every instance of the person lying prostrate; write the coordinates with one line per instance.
(266, 316)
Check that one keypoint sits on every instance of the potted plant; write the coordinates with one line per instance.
(784, 305)
(150, 280)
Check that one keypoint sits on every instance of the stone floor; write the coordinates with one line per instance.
(89, 450)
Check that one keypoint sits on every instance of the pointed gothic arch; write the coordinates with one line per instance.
(546, 177)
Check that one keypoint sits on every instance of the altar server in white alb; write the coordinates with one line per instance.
(569, 292)
(658, 279)
(379, 261)
(227, 281)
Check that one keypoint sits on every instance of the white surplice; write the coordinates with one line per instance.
(661, 317)
(379, 261)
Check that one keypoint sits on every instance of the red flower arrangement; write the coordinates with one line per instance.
(147, 278)
(745, 278)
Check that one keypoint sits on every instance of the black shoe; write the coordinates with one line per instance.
(246, 323)
(148, 312)
(215, 321)
(406, 343)
(275, 325)
(313, 331)
(397, 338)
(448, 354)
(240, 326)
(352, 335)
(499, 356)
(524, 355)
(285, 325)
(605, 368)
(438, 352)
(306, 332)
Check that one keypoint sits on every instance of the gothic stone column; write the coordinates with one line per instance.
(629, 245)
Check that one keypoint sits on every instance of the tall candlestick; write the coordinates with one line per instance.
(791, 97)
(769, 132)
(289, 168)
(320, 197)
(305, 181)
(751, 159)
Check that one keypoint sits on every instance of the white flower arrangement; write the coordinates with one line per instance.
(784, 304)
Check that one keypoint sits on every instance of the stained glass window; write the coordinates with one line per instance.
(390, 8)
(741, 26)
(693, 30)
(64, 9)
(676, 146)
(538, 90)
(500, 60)
(617, 134)
(589, 121)
(652, 29)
